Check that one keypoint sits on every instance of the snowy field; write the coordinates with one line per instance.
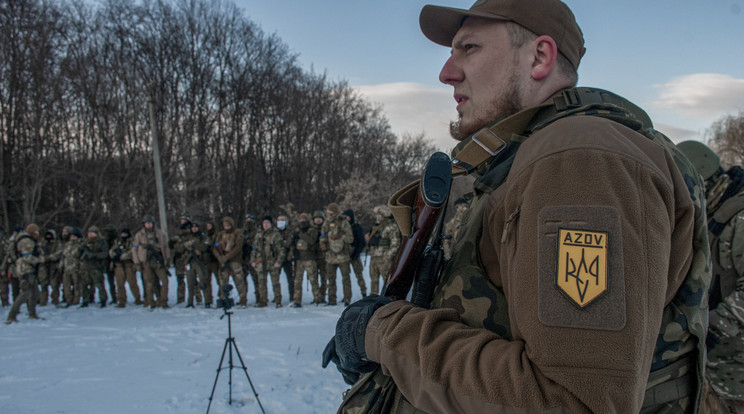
(134, 360)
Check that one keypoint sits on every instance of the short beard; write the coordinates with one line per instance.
(506, 104)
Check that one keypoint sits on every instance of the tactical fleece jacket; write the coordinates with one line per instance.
(562, 357)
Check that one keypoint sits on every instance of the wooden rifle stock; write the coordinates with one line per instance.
(429, 205)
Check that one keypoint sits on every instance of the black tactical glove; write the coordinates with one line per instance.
(329, 355)
(346, 348)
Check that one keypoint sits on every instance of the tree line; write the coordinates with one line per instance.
(241, 126)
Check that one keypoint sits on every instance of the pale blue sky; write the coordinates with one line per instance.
(682, 60)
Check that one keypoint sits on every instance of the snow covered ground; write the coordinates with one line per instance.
(133, 360)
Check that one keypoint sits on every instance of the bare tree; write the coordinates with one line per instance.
(726, 137)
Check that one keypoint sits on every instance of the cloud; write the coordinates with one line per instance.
(702, 95)
(677, 134)
(415, 108)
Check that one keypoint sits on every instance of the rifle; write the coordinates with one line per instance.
(225, 266)
(154, 254)
(415, 259)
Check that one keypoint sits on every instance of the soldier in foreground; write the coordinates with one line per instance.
(383, 242)
(563, 293)
(725, 210)
(29, 257)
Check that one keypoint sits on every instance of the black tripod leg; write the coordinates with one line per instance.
(242, 364)
(219, 368)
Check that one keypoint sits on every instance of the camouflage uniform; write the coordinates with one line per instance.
(725, 213)
(150, 255)
(288, 265)
(357, 247)
(249, 234)
(228, 249)
(196, 246)
(9, 263)
(95, 250)
(267, 256)
(72, 285)
(305, 241)
(49, 272)
(26, 268)
(336, 238)
(211, 263)
(450, 229)
(322, 276)
(121, 258)
(505, 332)
(179, 259)
(109, 233)
(384, 241)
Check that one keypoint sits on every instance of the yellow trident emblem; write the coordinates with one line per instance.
(582, 265)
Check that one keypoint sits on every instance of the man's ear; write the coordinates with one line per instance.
(545, 53)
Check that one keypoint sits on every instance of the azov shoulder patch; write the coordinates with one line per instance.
(581, 282)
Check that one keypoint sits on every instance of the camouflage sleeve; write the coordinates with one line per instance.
(348, 232)
(727, 320)
(394, 235)
(281, 249)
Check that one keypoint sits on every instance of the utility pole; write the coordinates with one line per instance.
(158, 172)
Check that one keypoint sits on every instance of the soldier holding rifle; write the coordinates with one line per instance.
(563, 294)
(150, 254)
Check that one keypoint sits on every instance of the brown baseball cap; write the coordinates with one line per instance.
(542, 17)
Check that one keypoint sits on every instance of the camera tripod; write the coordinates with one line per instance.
(230, 343)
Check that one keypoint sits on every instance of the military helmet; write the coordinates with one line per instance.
(149, 219)
(184, 216)
(303, 217)
(706, 161)
(77, 231)
(382, 210)
(319, 213)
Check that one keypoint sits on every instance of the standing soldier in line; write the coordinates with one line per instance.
(121, 258)
(150, 254)
(725, 211)
(228, 249)
(357, 247)
(288, 264)
(210, 261)
(3, 271)
(196, 245)
(95, 250)
(49, 271)
(109, 233)
(71, 282)
(250, 228)
(306, 245)
(29, 256)
(267, 257)
(383, 242)
(321, 276)
(336, 238)
(9, 262)
(450, 229)
(179, 257)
